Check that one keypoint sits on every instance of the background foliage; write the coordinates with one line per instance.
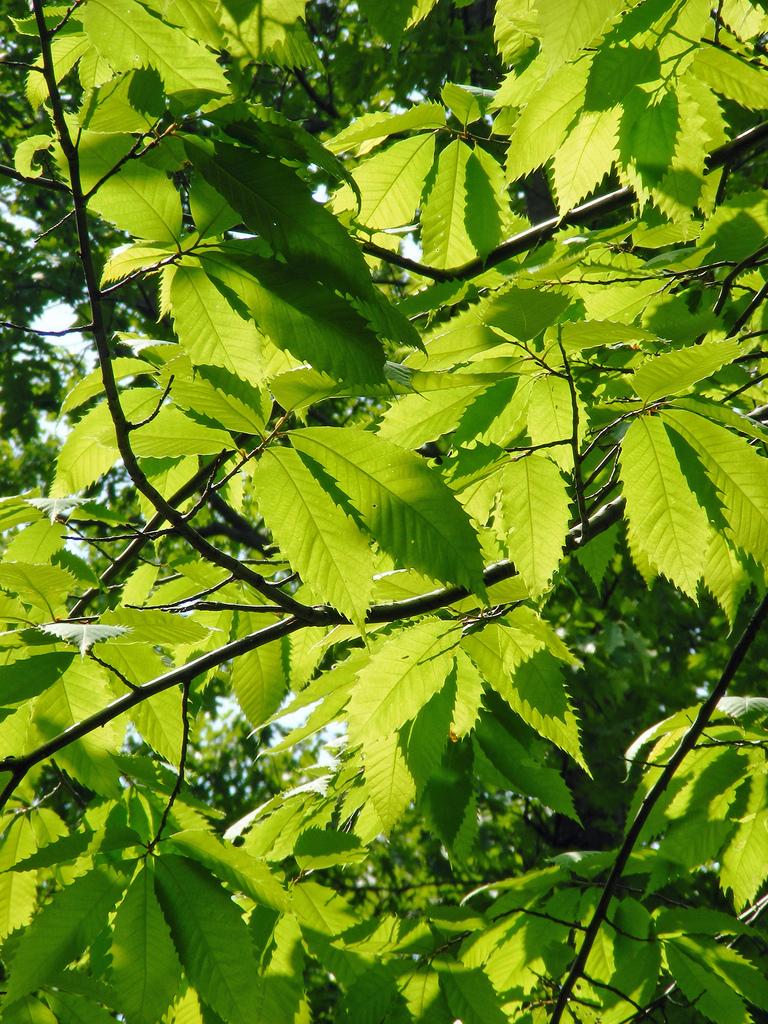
(386, 516)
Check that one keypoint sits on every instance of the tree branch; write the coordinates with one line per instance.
(121, 425)
(322, 615)
(131, 552)
(50, 183)
(19, 766)
(542, 232)
(687, 743)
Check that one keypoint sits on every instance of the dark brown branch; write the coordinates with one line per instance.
(578, 483)
(757, 301)
(19, 766)
(158, 407)
(129, 554)
(121, 425)
(46, 334)
(326, 105)
(50, 183)
(542, 232)
(323, 615)
(687, 743)
(745, 264)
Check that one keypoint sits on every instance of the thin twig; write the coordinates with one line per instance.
(183, 601)
(134, 153)
(66, 16)
(54, 227)
(46, 334)
(753, 306)
(528, 449)
(182, 765)
(578, 484)
(745, 387)
(148, 419)
(728, 281)
(50, 183)
(111, 668)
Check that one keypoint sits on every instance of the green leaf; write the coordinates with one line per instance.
(535, 514)
(586, 156)
(276, 204)
(529, 679)
(303, 316)
(471, 996)
(140, 198)
(425, 737)
(390, 183)
(666, 522)
(171, 433)
(738, 473)
(62, 931)
(267, 33)
(526, 774)
(462, 102)
(523, 313)
(449, 800)
(745, 860)
(150, 625)
(127, 103)
(408, 509)
(445, 238)
(388, 781)
(93, 384)
(321, 909)
(66, 51)
(18, 889)
(673, 372)
(412, 420)
(649, 134)
(731, 76)
(45, 587)
(29, 1011)
(72, 1008)
(283, 998)
(26, 678)
(732, 967)
(222, 404)
(547, 116)
(129, 37)
(550, 417)
(566, 26)
(90, 449)
(322, 848)
(378, 126)
(317, 535)
(145, 969)
(715, 1000)
(211, 331)
(488, 209)
(400, 678)
(207, 930)
(231, 864)
(259, 679)
(80, 692)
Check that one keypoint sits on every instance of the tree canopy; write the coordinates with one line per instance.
(385, 512)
